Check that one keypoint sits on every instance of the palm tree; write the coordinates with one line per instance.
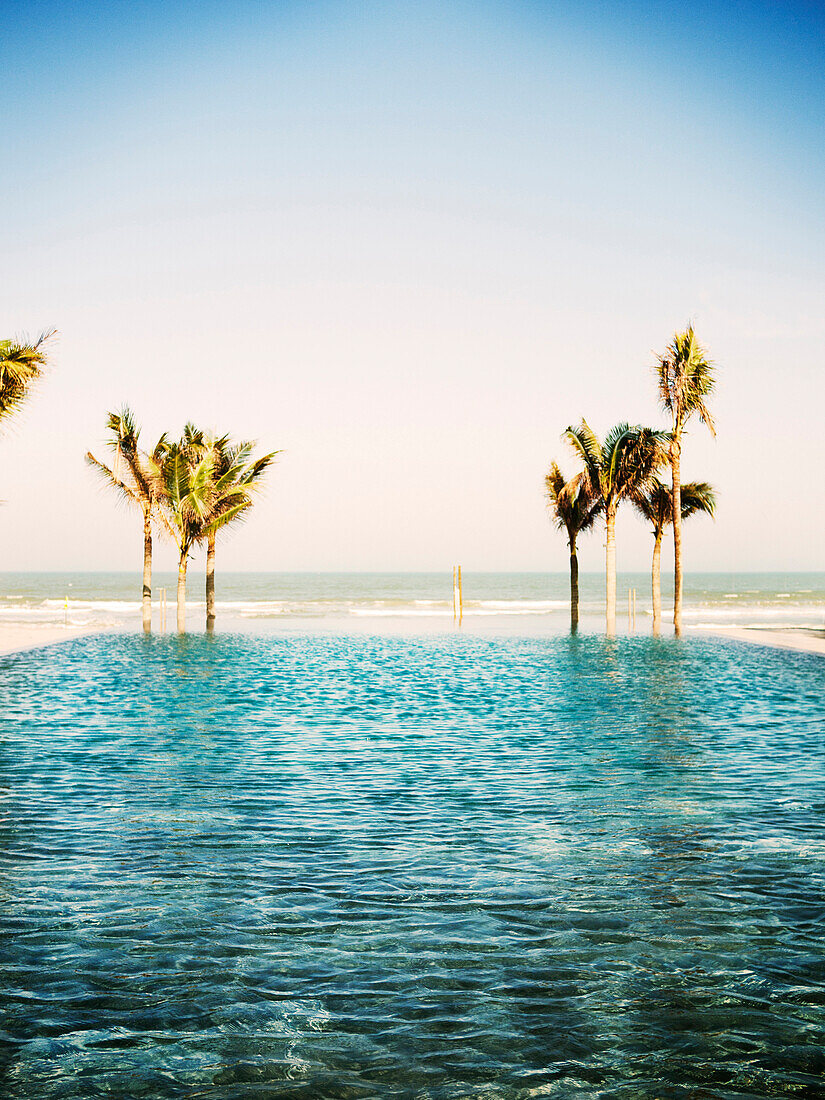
(686, 379)
(620, 467)
(21, 364)
(235, 477)
(574, 510)
(187, 474)
(656, 505)
(136, 475)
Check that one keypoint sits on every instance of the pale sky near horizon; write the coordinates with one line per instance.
(408, 243)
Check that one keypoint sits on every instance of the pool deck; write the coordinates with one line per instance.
(16, 638)
(803, 639)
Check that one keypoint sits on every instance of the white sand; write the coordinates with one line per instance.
(807, 641)
(15, 637)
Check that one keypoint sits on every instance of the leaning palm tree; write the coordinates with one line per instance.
(136, 476)
(574, 509)
(619, 468)
(187, 471)
(235, 477)
(21, 364)
(686, 379)
(656, 504)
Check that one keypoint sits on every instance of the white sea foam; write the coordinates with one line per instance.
(115, 607)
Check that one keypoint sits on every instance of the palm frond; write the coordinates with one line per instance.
(686, 377)
(21, 365)
(572, 505)
(585, 443)
(698, 497)
(633, 454)
(654, 502)
(111, 480)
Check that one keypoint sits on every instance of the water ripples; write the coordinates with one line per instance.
(338, 866)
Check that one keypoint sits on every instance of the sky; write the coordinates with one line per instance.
(407, 244)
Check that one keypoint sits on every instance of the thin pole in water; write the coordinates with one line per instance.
(634, 608)
(460, 598)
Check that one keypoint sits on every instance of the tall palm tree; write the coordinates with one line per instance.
(616, 469)
(235, 477)
(656, 504)
(686, 378)
(21, 364)
(187, 472)
(574, 510)
(136, 475)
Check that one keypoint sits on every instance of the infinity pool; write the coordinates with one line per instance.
(427, 867)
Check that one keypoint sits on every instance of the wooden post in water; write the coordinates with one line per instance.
(634, 608)
(458, 598)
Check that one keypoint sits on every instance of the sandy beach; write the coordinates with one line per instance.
(803, 639)
(14, 637)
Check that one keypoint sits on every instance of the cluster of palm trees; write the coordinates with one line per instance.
(192, 488)
(196, 486)
(624, 467)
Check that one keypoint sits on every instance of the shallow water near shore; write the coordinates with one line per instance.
(444, 866)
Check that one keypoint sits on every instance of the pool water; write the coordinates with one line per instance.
(349, 866)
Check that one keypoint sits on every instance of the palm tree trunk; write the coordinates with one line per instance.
(610, 568)
(182, 592)
(676, 519)
(656, 582)
(574, 586)
(210, 582)
(147, 573)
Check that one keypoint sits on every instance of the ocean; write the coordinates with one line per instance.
(521, 602)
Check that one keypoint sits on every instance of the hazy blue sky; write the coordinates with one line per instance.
(409, 243)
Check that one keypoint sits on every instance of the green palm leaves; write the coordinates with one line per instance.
(624, 465)
(136, 475)
(571, 502)
(21, 364)
(236, 476)
(192, 487)
(617, 468)
(686, 379)
(574, 508)
(209, 482)
(656, 505)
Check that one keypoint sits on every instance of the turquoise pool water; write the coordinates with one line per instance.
(427, 867)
